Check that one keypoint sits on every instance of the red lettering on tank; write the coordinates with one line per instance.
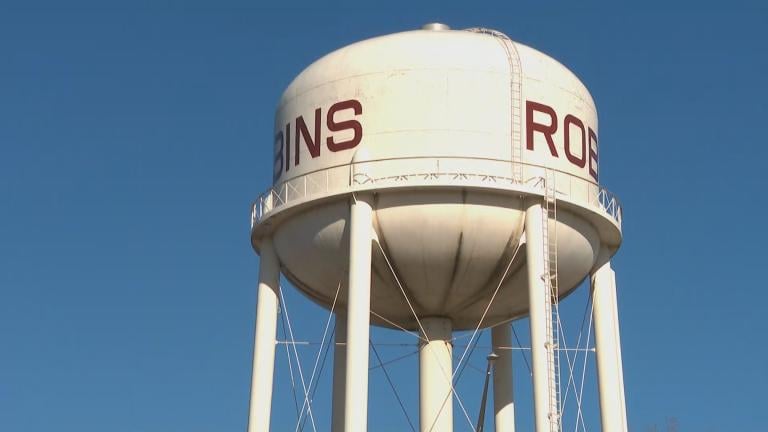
(277, 169)
(287, 147)
(532, 126)
(573, 120)
(353, 125)
(588, 138)
(313, 141)
(302, 132)
(593, 154)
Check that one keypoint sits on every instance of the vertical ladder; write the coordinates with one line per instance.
(515, 100)
(515, 109)
(549, 225)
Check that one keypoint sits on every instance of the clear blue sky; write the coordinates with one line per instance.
(134, 136)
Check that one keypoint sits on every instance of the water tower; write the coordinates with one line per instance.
(431, 181)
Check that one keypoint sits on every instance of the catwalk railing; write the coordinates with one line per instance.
(417, 172)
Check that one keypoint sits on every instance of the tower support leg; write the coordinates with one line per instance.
(503, 394)
(436, 375)
(264, 342)
(339, 368)
(358, 315)
(610, 374)
(541, 354)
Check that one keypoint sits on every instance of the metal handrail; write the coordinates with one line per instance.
(356, 176)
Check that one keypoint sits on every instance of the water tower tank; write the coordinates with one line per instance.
(439, 180)
(448, 132)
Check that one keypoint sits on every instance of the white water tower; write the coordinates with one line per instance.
(438, 180)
